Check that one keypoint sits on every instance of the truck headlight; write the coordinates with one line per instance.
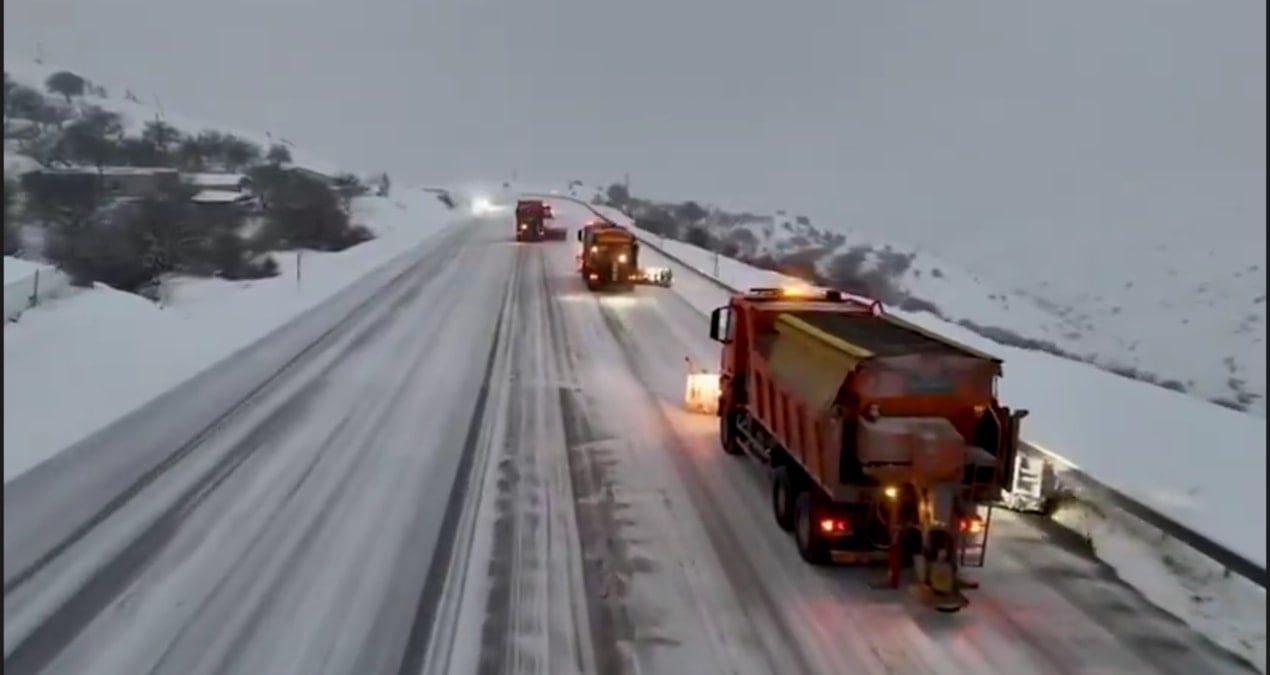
(622, 258)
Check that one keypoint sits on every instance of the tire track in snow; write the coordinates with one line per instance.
(425, 265)
(762, 609)
(658, 601)
(605, 561)
(535, 613)
(500, 648)
(429, 597)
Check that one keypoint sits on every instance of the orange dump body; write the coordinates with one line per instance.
(861, 399)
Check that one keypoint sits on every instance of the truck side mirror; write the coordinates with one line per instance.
(720, 318)
(579, 235)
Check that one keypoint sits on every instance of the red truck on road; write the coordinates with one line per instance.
(885, 441)
(531, 222)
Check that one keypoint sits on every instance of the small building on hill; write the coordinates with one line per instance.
(117, 181)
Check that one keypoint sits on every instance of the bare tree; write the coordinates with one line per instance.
(66, 83)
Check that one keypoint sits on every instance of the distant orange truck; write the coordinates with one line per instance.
(609, 260)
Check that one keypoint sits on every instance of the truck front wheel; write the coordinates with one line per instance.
(811, 546)
(727, 433)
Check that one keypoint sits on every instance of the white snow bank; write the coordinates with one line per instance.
(1228, 609)
(17, 269)
(1199, 464)
(28, 283)
(76, 365)
(17, 164)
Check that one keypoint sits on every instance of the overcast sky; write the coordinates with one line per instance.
(941, 122)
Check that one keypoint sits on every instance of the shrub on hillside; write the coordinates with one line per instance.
(700, 237)
(229, 255)
(304, 212)
(105, 248)
(618, 195)
(278, 155)
(65, 201)
(21, 101)
(657, 222)
(129, 244)
(216, 150)
(852, 272)
(690, 212)
(65, 83)
(93, 139)
(161, 136)
(743, 240)
(347, 186)
(12, 235)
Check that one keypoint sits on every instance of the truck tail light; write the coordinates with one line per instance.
(834, 525)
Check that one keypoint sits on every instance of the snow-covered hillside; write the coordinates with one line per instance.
(137, 108)
(1136, 328)
(83, 357)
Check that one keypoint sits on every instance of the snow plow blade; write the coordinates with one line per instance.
(554, 234)
(701, 395)
(654, 276)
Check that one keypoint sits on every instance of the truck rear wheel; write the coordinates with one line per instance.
(811, 546)
(783, 503)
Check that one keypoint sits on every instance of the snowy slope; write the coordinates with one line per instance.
(135, 114)
(75, 365)
(1133, 324)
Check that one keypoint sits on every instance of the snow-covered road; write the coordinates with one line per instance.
(487, 470)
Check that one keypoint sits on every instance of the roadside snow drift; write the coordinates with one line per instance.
(75, 365)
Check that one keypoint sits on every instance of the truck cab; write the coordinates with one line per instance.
(609, 257)
(531, 216)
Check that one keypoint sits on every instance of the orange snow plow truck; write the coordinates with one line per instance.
(610, 259)
(531, 222)
(886, 442)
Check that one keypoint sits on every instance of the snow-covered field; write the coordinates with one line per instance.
(1147, 449)
(75, 365)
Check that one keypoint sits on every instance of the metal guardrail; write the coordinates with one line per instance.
(1072, 477)
(1233, 562)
